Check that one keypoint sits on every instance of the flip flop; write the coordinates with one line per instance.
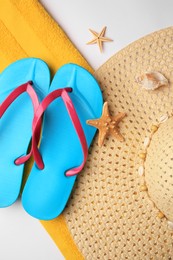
(20, 83)
(75, 97)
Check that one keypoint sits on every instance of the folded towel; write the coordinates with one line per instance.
(27, 30)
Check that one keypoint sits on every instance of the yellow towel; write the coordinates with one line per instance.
(26, 30)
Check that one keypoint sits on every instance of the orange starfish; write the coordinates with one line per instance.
(107, 125)
(99, 38)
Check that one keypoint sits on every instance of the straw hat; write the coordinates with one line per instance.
(122, 204)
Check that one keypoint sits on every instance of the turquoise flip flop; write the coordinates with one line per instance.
(65, 139)
(16, 119)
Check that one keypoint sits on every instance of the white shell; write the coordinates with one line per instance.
(146, 142)
(163, 118)
(170, 225)
(141, 170)
(152, 80)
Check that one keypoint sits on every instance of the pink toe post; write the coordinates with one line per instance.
(75, 120)
(26, 87)
(37, 121)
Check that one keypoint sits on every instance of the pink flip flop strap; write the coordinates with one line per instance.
(75, 120)
(27, 87)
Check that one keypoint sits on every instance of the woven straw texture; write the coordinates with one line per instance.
(159, 171)
(108, 216)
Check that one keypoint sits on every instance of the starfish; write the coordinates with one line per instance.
(99, 38)
(107, 124)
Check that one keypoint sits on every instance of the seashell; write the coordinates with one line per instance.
(141, 170)
(143, 188)
(142, 156)
(154, 128)
(163, 118)
(160, 215)
(170, 225)
(146, 142)
(152, 80)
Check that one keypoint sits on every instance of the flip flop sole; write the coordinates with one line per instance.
(47, 191)
(16, 123)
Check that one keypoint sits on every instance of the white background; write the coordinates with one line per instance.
(21, 236)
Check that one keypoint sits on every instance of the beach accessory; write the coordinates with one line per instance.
(99, 38)
(74, 97)
(24, 33)
(152, 80)
(121, 207)
(21, 83)
(28, 16)
(107, 124)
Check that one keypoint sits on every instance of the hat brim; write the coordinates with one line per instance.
(108, 216)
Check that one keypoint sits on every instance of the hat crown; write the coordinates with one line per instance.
(159, 168)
